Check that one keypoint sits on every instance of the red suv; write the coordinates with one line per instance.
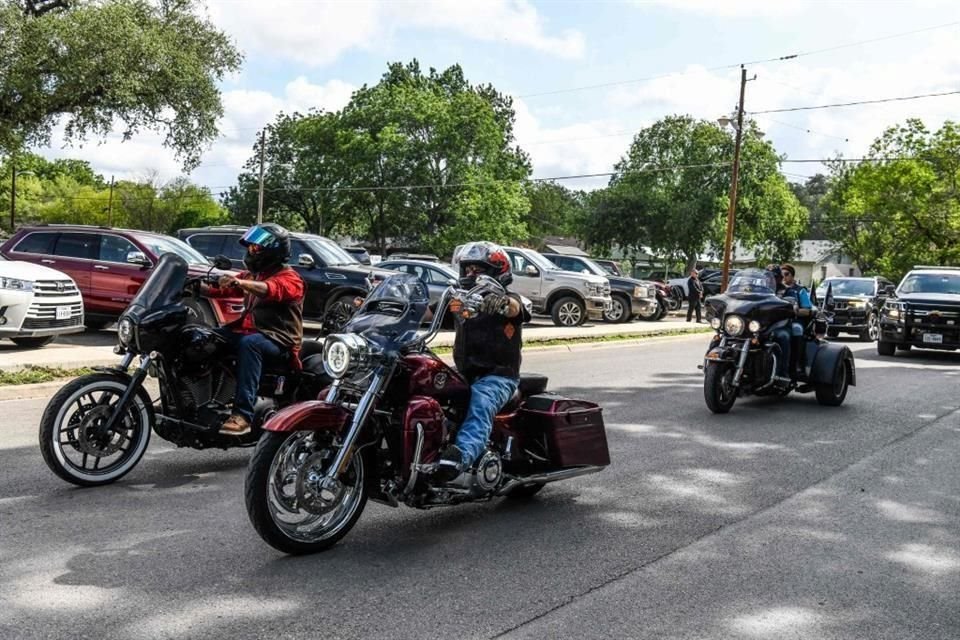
(109, 265)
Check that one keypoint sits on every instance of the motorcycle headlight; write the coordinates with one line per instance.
(16, 284)
(754, 326)
(126, 331)
(715, 323)
(343, 353)
(733, 325)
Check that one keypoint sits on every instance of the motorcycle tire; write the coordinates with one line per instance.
(58, 455)
(713, 392)
(832, 394)
(260, 499)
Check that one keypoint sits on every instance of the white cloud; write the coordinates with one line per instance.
(317, 33)
(245, 113)
(727, 8)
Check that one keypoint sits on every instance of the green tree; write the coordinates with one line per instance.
(670, 193)
(902, 207)
(151, 65)
(554, 211)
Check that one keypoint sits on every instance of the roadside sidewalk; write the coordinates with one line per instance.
(74, 356)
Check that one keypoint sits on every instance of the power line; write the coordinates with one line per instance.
(859, 102)
(782, 58)
(808, 130)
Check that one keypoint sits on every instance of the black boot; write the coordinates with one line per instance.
(450, 464)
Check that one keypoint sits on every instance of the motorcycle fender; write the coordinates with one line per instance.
(312, 415)
(828, 358)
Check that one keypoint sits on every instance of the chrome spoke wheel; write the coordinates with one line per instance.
(302, 503)
(570, 314)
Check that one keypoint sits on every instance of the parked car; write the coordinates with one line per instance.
(629, 297)
(857, 305)
(610, 266)
(435, 275)
(923, 311)
(332, 276)
(712, 281)
(37, 304)
(568, 298)
(359, 254)
(402, 255)
(109, 265)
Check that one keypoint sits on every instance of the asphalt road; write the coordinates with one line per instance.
(783, 519)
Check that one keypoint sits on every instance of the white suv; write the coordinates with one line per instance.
(37, 304)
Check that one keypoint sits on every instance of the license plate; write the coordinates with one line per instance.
(63, 313)
(933, 338)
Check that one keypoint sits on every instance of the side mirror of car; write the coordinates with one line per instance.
(452, 282)
(138, 257)
(890, 290)
(222, 262)
(306, 260)
(531, 271)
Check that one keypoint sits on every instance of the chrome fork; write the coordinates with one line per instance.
(744, 352)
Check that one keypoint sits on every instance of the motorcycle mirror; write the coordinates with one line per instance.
(222, 262)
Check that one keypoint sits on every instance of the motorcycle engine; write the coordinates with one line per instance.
(488, 472)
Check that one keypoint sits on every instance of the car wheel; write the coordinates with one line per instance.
(568, 312)
(886, 348)
(619, 310)
(872, 332)
(833, 333)
(339, 313)
(33, 343)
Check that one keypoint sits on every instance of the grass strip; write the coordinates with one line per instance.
(31, 374)
(620, 337)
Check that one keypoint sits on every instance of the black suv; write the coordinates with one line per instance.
(630, 297)
(924, 311)
(333, 277)
(857, 305)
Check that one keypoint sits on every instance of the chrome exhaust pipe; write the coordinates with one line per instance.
(544, 478)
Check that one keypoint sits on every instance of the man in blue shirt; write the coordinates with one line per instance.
(804, 306)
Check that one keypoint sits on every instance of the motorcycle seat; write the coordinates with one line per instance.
(532, 384)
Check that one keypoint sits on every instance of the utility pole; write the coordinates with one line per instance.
(732, 211)
(110, 205)
(13, 194)
(263, 145)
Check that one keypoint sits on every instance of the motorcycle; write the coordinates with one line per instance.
(392, 407)
(742, 357)
(97, 427)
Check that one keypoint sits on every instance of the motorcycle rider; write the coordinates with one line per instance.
(486, 352)
(271, 325)
(804, 306)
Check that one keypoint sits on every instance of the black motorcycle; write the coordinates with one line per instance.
(743, 356)
(97, 427)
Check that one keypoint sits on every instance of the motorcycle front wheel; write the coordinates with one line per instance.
(73, 439)
(718, 389)
(285, 502)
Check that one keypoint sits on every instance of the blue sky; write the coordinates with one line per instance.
(303, 54)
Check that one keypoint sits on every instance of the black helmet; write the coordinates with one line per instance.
(491, 258)
(274, 247)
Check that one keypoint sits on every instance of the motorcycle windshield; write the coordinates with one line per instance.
(753, 281)
(392, 312)
(162, 288)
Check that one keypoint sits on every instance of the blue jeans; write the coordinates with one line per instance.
(781, 335)
(251, 349)
(487, 396)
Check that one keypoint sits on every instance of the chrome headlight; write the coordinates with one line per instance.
(126, 331)
(16, 284)
(641, 292)
(715, 322)
(733, 325)
(857, 304)
(893, 310)
(343, 353)
(594, 289)
(754, 326)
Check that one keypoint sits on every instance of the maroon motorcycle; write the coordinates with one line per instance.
(393, 406)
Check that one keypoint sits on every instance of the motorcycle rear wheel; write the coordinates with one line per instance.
(70, 440)
(278, 486)
(717, 390)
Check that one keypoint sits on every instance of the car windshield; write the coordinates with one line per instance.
(392, 312)
(160, 245)
(330, 253)
(931, 283)
(753, 281)
(846, 287)
(594, 268)
(540, 261)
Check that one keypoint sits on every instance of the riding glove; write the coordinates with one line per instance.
(494, 303)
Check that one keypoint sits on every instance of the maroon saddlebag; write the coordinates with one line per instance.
(572, 430)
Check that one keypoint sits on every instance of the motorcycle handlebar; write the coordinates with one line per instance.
(469, 299)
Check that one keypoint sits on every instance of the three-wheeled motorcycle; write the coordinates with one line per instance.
(743, 354)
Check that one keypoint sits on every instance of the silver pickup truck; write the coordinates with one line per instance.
(569, 298)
